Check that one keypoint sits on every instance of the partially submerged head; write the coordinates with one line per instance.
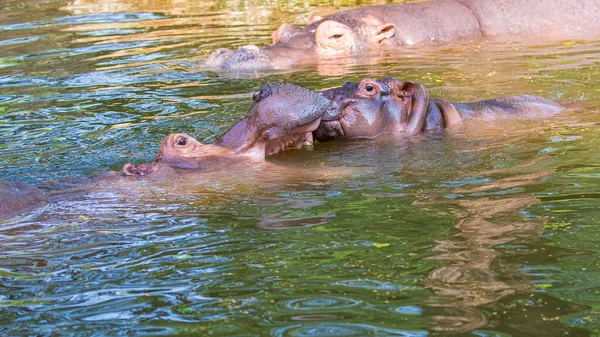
(336, 35)
(372, 107)
(181, 151)
(282, 116)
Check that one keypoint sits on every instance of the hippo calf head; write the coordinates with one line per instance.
(181, 151)
(323, 38)
(372, 107)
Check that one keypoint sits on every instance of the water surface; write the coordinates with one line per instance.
(489, 229)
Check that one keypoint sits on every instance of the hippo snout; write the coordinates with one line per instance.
(139, 170)
(249, 57)
(217, 58)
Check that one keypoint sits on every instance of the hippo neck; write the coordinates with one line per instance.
(441, 114)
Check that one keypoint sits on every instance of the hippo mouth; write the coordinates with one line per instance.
(295, 139)
(140, 169)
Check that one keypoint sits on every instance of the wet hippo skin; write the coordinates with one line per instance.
(282, 116)
(388, 105)
(352, 32)
(17, 196)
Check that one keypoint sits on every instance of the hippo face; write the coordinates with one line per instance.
(180, 151)
(322, 38)
(282, 116)
(372, 107)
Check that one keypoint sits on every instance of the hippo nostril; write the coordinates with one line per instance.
(264, 92)
(339, 99)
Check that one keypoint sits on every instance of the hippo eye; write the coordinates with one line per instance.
(369, 88)
(181, 141)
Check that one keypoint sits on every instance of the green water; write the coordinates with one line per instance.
(489, 229)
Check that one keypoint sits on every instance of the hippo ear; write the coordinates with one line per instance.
(385, 32)
(334, 37)
(402, 90)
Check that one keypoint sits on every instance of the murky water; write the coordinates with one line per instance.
(490, 229)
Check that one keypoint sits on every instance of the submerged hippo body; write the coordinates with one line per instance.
(16, 197)
(283, 116)
(352, 32)
(373, 107)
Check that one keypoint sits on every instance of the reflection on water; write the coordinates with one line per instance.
(488, 229)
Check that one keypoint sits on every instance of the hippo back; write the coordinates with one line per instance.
(18, 196)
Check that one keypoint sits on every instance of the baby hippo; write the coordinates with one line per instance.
(179, 150)
(373, 107)
(283, 116)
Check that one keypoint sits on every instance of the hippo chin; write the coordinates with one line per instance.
(283, 116)
(373, 107)
(351, 32)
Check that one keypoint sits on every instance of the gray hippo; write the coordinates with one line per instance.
(354, 31)
(372, 107)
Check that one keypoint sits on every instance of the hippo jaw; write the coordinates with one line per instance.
(297, 138)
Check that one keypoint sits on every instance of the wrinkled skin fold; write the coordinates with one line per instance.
(353, 32)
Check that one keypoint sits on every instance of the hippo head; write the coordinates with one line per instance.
(336, 35)
(180, 151)
(282, 116)
(372, 107)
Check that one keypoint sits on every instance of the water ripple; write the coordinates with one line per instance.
(343, 329)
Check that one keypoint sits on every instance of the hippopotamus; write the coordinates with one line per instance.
(355, 31)
(372, 107)
(283, 116)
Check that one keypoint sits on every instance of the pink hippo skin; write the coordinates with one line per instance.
(354, 31)
(16, 197)
(373, 107)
